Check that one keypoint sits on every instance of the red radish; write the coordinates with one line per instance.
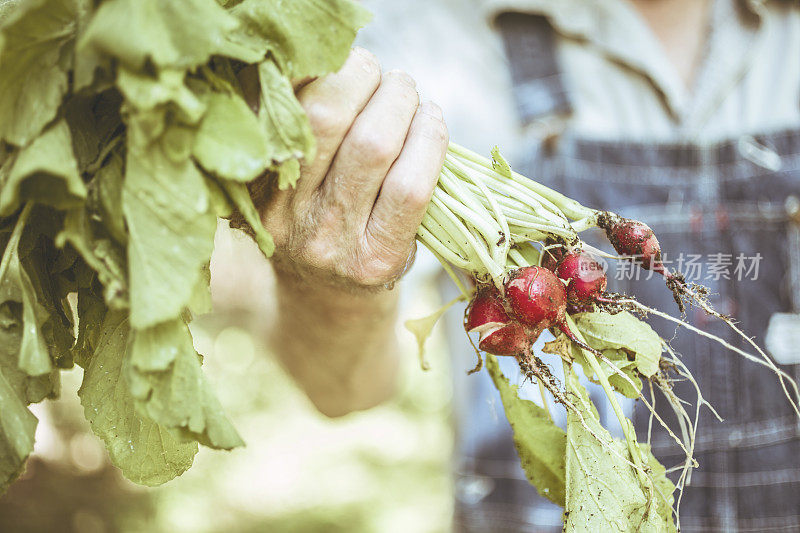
(511, 339)
(537, 297)
(634, 238)
(586, 280)
(499, 333)
(539, 301)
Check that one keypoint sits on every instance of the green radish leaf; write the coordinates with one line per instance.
(30, 389)
(200, 304)
(171, 226)
(664, 488)
(284, 121)
(239, 196)
(539, 442)
(51, 289)
(44, 172)
(562, 346)
(230, 142)
(148, 93)
(92, 72)
(146, 452)
(283, 29)
(101, 253)
(603, 492)
(17, 430)
(228, 3)
(93, 121)
(220, 203)
(628, 368)
(105, 198)
(288, 174)
(167, 381)
(92, 310)
(17, 288)
(179, 34)
(124, 134)
(35, 36)
(499, 163)
(622, 331)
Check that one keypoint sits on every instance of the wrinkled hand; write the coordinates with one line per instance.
(351, 220)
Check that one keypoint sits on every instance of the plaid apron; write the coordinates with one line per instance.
(728, 213)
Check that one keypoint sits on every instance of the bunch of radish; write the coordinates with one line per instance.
(519, 243)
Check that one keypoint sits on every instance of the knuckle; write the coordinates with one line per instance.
(375, 271)
(320, 253)
(415, 195)
(374, 148)
(385, 255)
(325, 120)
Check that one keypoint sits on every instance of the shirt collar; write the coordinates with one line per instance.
(598, 22)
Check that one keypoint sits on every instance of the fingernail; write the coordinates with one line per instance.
(402, 76)
(431, 109)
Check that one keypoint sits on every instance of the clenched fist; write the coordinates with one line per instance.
(348, 229)
(350, 222)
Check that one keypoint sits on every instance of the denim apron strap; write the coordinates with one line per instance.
(539, 89)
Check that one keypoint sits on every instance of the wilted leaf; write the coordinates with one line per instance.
(284, 121)
(283, 28)
(17, 430)
(33, 80)
(101, 253)
(603, 490)
(169, 386)
(16, 287)
(288, 174)
(171, 227)
(230, 142)
(499, 163)
(29, 389)
(239, 196)
(146, 452)
(44, 172)
(539, 442)
(146, 93)
(179, 34)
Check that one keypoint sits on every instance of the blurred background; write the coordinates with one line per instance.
(384, 470)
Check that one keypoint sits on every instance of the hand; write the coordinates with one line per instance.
(351, 221)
